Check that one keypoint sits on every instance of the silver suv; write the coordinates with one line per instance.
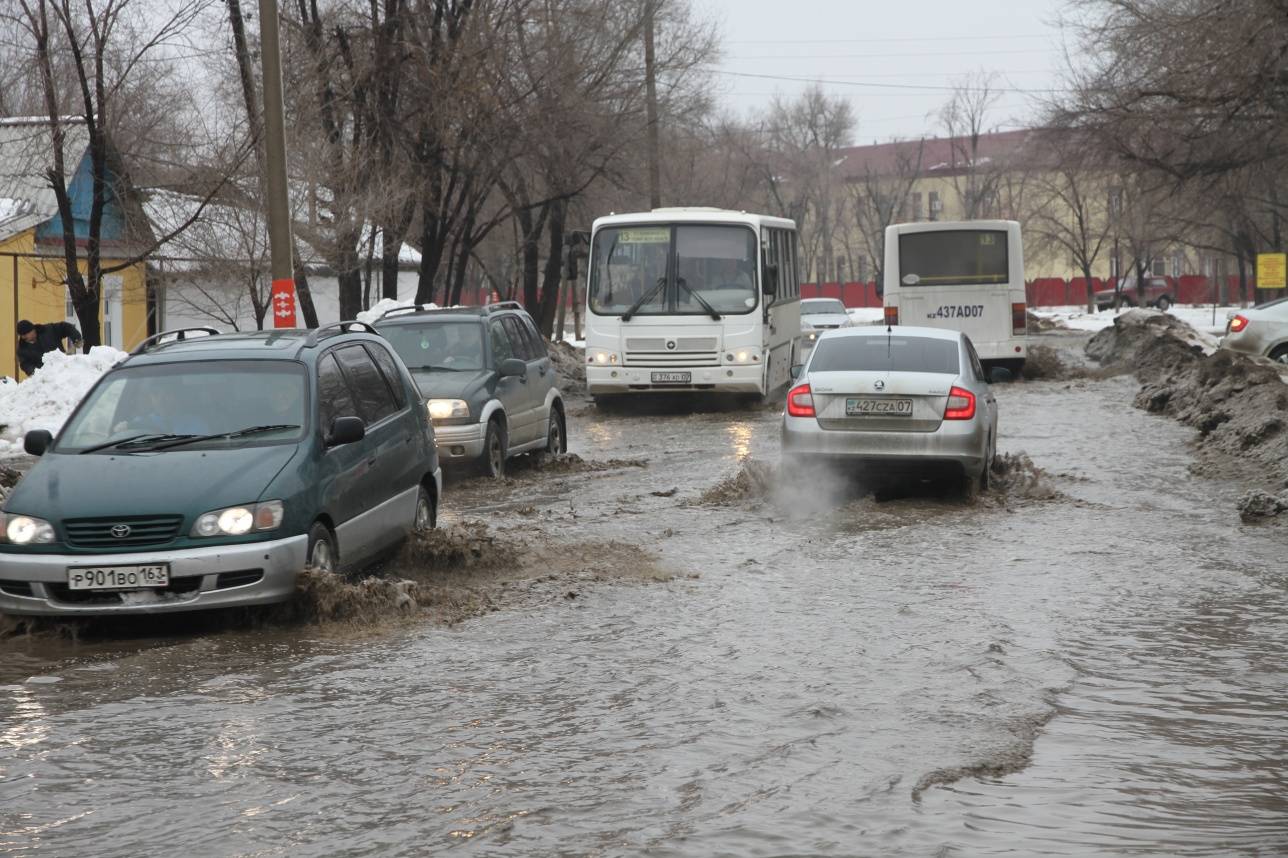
(487, 378)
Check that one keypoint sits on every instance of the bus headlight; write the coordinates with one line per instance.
(602, 358)
(742, 356)
(447, 409)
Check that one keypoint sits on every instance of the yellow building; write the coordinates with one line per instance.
(32, 266)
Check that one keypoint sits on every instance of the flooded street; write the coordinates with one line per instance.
(1087, 662)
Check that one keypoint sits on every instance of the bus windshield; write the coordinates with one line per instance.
(681, 269)
(956, 258)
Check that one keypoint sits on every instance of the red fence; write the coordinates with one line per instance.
(1053, 291)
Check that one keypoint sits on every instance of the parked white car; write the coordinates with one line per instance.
(818, 315)
(1262, 330)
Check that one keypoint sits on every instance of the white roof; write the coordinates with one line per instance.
(26, 156)
(694, 214)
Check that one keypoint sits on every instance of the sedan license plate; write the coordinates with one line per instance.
(672, 378)
(117, 577)
(869, 406)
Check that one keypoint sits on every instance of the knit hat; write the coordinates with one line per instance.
(25, 327)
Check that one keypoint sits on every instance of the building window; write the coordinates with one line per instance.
(1178, 264)
(1158, 267)
(935, 205)
(917, 213)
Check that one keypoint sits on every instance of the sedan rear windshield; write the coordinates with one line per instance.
(891, 353)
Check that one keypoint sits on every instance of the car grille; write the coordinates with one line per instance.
(143, 530)
(684, 351)
(675, 358)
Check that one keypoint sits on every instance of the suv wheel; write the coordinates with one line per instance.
(492, 462)
(426, 512)
(322, 554)
(556, 433)
(1163, 303)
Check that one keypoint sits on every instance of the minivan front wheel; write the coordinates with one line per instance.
(426, 512)
(322, 554)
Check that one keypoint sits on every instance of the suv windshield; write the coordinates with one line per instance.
(170, 401)
(684, 269)
(891, 353)
(437, 344)
(822, 306)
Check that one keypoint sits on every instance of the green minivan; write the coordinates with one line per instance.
(206, 470)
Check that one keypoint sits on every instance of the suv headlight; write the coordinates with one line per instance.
(26, 530)
(599, 357)
(237, 520)
(447, 409)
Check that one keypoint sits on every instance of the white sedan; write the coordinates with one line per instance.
(821, 314)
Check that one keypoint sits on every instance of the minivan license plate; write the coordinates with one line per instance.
(117, 577)
(872, 407)
(672, 377)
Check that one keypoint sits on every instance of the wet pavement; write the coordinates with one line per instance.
(1094, 666)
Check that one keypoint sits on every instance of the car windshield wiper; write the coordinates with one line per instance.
(132, 439)
(434, 367)
(181, 440)
(643, 299)
(685, 286)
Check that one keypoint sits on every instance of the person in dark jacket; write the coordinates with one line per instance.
(35, 340)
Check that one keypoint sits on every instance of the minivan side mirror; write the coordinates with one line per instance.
(796, 370)
(512, 367)
(346, 430)
(37, 441)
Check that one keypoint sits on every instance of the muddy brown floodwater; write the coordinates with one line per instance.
(1088, 660)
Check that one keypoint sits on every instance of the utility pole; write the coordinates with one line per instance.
(650, 90)
(279, 213)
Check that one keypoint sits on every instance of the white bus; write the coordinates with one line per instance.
(691, 299)
(964, 275)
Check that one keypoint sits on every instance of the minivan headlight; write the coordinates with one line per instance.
(237, 520)
(447, 409)
(27, 530)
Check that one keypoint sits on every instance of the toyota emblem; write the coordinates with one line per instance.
(121, 531)
(879, 384)
(670, 345)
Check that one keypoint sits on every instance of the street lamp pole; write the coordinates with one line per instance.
(279, 213)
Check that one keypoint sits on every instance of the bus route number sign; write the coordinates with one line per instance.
(645, 235)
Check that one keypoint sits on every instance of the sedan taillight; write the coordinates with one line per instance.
(800, 401)
(961, 404)
(1238, 323)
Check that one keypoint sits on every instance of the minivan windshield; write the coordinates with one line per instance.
(437, 344)
(238, 403)
(889, 353)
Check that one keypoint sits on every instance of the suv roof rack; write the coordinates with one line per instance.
(403, 311)
(335, 329)
(502, 305)
(179, 335)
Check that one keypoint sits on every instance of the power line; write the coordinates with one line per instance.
(887, 56)
(979, 38)
(898, 86)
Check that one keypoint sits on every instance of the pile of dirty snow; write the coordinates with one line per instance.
(46, 399)
(1238, 403)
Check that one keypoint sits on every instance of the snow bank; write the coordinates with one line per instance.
(866, 315)
(47, 399)
(1202, 319)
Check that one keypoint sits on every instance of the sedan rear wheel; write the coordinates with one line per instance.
(1280, 354)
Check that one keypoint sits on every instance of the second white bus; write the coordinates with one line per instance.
(691, 299)
(963, 275)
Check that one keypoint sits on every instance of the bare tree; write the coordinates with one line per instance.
(964, 118)
(879, 196)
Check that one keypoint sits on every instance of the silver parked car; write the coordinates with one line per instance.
(819, 315)
(1262, 330)
(894, 402)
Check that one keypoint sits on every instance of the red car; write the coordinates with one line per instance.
(1158, 293)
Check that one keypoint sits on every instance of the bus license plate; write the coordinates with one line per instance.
(117, 577)
(672, 378)
(872, 407)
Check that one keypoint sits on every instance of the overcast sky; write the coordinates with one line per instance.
(892, 44)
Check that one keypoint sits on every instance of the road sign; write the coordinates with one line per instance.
(1271, 270)
(283, 304)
